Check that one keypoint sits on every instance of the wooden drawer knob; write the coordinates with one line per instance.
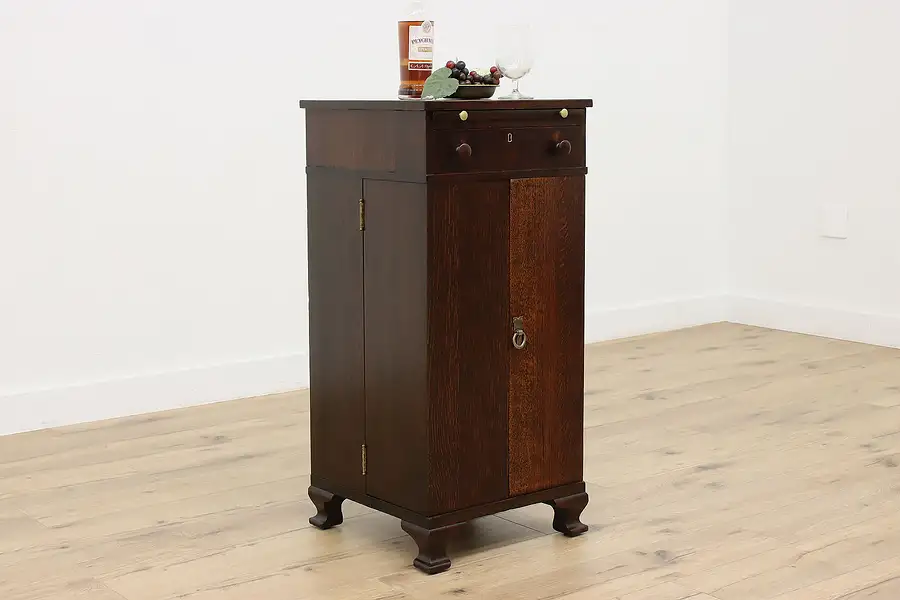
(464, 150)
(564, 147)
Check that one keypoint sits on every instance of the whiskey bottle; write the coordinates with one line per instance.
(416, 36)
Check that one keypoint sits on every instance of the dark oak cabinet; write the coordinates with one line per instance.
(446, 287)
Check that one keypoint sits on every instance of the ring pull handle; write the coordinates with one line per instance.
(464, 150)
(519, 338)
(564, 147)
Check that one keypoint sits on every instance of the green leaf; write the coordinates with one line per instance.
(442, 73)
(439, 84)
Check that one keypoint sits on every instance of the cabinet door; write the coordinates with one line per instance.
(546, 377)
(395, 340)
(335, 331)
(468, 342)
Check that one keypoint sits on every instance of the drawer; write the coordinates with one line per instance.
(482, 119)
(474, 150)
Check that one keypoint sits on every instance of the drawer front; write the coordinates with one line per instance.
(493, 149)
(481, 119)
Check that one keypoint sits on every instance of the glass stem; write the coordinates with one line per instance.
(516, 87)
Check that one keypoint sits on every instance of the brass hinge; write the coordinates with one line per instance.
(363, 459)
(362, 214)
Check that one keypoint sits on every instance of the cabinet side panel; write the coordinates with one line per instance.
(395, 341)
(546, 385)
(468, 343)
(335, 331)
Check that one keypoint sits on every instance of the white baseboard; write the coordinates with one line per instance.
(867, 328)
(614, 323)
(40, 409)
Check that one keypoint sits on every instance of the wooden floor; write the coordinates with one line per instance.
(724, 462)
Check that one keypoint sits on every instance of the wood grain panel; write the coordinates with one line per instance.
(391, 141)
(468, 343)
(396, 383)
(546, 383)
(335, 331)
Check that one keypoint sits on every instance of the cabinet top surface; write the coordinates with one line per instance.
(444, 104)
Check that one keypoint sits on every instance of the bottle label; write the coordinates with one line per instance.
(421, 46)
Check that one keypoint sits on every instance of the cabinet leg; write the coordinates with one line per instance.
(328, 506)
(567, 514)
(432, 545)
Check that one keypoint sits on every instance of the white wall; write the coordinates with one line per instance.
(657, 210)
(814, 119)
(152, 194)
(152, 223)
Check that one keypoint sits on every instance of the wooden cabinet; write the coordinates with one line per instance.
(446, 283)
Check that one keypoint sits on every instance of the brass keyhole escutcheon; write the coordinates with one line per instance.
(519, 338)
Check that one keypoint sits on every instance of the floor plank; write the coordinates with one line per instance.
(724, 462)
